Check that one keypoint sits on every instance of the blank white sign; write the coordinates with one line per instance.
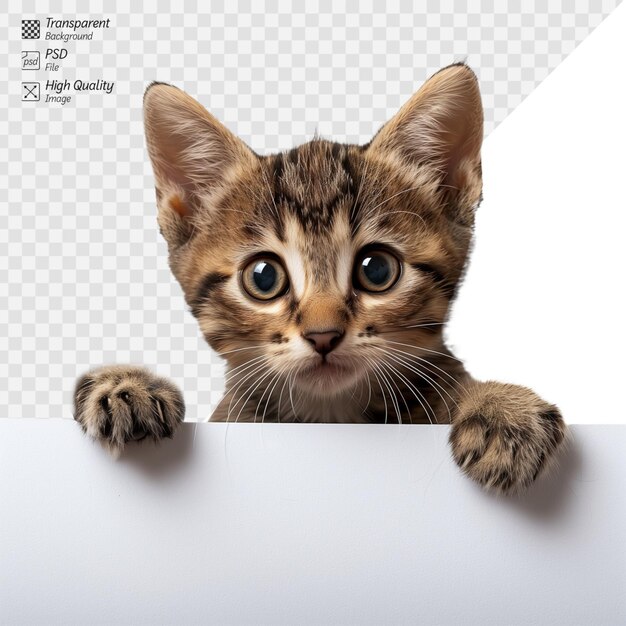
(302, 524)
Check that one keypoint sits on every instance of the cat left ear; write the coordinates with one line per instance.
(191, 151)
(441, 127)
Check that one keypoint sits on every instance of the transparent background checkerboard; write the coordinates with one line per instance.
(84, 279)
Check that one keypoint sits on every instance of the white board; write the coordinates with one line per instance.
(302, 524)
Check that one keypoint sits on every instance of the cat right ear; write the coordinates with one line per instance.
(440, 129)
(192, 154)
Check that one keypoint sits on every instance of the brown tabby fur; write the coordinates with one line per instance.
(413, 189)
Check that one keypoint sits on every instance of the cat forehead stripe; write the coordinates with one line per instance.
(312, 181)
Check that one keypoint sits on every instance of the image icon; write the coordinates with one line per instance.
(31, 59)
(30, 92)
(30, 29)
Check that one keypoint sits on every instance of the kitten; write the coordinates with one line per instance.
(324, 276)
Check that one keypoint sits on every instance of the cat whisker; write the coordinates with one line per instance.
(408, 361)
(395, 195)
(383, 386)
(426, 364)
(417, 393)
(258, 368)
(369, 396)
(246, 366)
(280, 397)
(257, 384)
(394, 398)
(357, 365)
(425, 325)
(293, 408)
(380, 385)
(267, 389)
(239, 369)
(269, 397)
(419, 396)
(415, 368)
(412, 213)
(360, 389)
(288, 369)
(231, 407)
(390, 369)
(408, 345)
(257, 346)
(285, 372)
(434, 384)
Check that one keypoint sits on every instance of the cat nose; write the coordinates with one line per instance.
(324, 342)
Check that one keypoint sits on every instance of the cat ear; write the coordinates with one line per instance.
(191, 151)
(441, 126)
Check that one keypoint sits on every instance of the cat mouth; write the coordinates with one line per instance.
(325, 371)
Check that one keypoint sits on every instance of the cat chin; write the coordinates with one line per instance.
(328, 378)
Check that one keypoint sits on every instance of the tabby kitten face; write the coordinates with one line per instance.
(308, 265)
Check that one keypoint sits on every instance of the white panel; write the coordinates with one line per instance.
(302, 524)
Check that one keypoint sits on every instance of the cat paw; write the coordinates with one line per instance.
(505, 436)
(117, 404)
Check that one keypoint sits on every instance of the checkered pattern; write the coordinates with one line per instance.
(30, 29)
(84, 278)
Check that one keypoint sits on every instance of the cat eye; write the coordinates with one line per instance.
(264, 278)
(376, 270)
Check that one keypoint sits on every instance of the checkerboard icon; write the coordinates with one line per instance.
(30, 29)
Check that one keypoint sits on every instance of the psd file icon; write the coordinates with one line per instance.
(30, 29)
(30, 92)
(31, 59)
